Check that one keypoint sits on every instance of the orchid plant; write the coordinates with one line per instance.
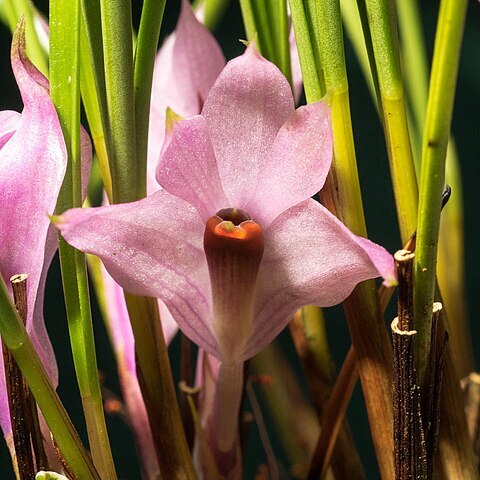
(231, 210)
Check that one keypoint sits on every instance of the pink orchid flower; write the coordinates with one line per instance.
(186, 68)
(234, 244)
(33, 159)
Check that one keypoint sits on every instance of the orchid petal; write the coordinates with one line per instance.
(245, 109)
(188, 168)
(37, 325)
(123, 342)
(119, 321)
(310, 258)
(296, 165)
(138, 417)
(186, 68)
(151, 247)
(206, 375)
(198, 61)
(297, 79)
(8, 124)
(32, 165)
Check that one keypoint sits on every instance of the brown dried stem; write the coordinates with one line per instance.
(416, 417)
(404, 264)
(456, 457)
(295, 420)
(410, 452)
(319, 372)
(19, 288)
(15, 386)
(333, 418)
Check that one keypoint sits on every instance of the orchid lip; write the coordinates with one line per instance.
(233, 245)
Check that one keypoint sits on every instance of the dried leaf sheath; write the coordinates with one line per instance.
(416, 418)
(410, 455)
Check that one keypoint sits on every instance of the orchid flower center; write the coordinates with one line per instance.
(233, 245)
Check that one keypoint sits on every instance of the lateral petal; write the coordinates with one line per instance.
(188, 168)
(151, 247)
(296, 165)
(310, 258)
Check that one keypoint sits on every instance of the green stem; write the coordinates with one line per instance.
(268, 23)
(313, 83)
(156, 383)
(280, 30)
(349, 206)
(146, 49)
(16, 338)
(312, 14)
(450, 267)
(214, 10)
(381, 31)
(65, 93)
(415, 63)
(317, 341)
(7, 14)
(443, 82)
(264, 32)
(353, 27)
(248, 19)
(92, 86)
(118, 58)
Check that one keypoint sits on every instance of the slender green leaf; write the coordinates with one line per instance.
(146, 49)
(312, 80)
(382, 45)
(118, 62)
(214, 10)
(16, 338)
(446, 57)
(65, 93)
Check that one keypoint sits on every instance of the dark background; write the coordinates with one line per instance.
(380, 213)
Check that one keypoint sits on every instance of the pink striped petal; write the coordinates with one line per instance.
(186, 68)
(32, 165)
(297, 164)
(297, 79)
(8, 124)
(188, 168)
(310, 258)
(151, 247)
(245, 109)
